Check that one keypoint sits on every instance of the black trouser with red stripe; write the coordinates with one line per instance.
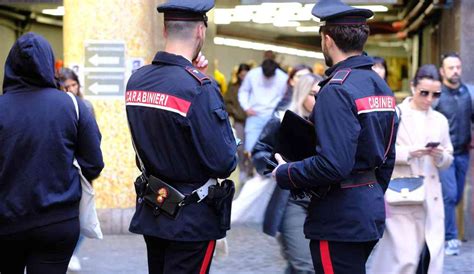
(170, 257)
(340, 257)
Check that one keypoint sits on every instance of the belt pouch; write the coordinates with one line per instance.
(163, 198)
(140, 186)
(221, 196)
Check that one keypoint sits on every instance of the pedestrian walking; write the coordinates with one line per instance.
(455, 104)
(235, 111)
(40, 136)
(261, 91)
(69, 82)
(409, 227)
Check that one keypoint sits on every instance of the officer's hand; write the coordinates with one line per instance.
(201, 63)
(280, 162)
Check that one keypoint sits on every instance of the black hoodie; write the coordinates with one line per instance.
(40, 136)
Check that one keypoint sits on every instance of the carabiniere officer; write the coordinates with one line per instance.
(355, 125)
(183, 141)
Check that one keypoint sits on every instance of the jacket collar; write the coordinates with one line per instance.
(357, 61)
(460, 90)
(407, 110)
(163, 57)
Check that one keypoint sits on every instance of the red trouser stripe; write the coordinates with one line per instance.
(207, 257)
(325, 257)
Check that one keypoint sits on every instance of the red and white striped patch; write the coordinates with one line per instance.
(375, 103)
(157, 100)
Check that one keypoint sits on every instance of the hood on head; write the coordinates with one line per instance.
(30, 63)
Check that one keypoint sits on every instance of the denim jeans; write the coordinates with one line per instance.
(452, 181)
(253, 127)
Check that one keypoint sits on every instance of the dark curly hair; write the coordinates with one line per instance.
(348, 38)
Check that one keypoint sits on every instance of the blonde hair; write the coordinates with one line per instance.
(300, 91)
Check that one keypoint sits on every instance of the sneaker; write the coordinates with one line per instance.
(74, 264)
(452, 247)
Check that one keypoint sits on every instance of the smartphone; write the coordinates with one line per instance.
(432, 144)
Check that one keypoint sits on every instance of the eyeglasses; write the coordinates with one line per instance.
(426, 93)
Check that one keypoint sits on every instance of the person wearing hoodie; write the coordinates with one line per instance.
(69, 82)
(40, 135)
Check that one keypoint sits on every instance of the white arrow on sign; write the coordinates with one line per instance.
(96, 88)
(104, 60)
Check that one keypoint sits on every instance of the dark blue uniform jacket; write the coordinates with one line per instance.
(40, 136)
(456, 106)
(353, 118)
(182, 133)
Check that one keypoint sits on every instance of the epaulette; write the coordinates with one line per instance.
(201, 77)
(340, 76)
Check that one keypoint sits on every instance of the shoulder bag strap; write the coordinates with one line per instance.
(140, 162)
(76, 106)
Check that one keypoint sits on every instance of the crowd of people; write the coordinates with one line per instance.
(328, 212)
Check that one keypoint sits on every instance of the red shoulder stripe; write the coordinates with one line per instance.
(375, 103)
(157, 100)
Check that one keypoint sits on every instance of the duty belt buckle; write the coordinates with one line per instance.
(202, 193)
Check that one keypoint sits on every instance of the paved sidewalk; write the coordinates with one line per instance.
(251, 252)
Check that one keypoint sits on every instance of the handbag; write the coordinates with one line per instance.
(89, 222)
(406, 190)
(88, 219)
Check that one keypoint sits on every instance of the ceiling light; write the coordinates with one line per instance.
(263, 47)
(247, 8)
(274, 13)
(290, 5)
(263, 17)
(308, 29)
(223, 16)
(374, 8)
(263, 20)
(282, 24)
(59, 11)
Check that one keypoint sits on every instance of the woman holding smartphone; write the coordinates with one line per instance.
(423, 147)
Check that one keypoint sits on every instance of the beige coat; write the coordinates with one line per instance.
(408, 227)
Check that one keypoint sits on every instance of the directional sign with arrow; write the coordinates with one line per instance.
(104, 70)
(98, 60)
(104, 83)
(105, 54)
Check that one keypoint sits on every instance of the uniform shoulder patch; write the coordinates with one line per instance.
(340, 76)
(201, 77)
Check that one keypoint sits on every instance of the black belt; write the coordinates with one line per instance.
(164, 198)
(355, 180)
(359, 179)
